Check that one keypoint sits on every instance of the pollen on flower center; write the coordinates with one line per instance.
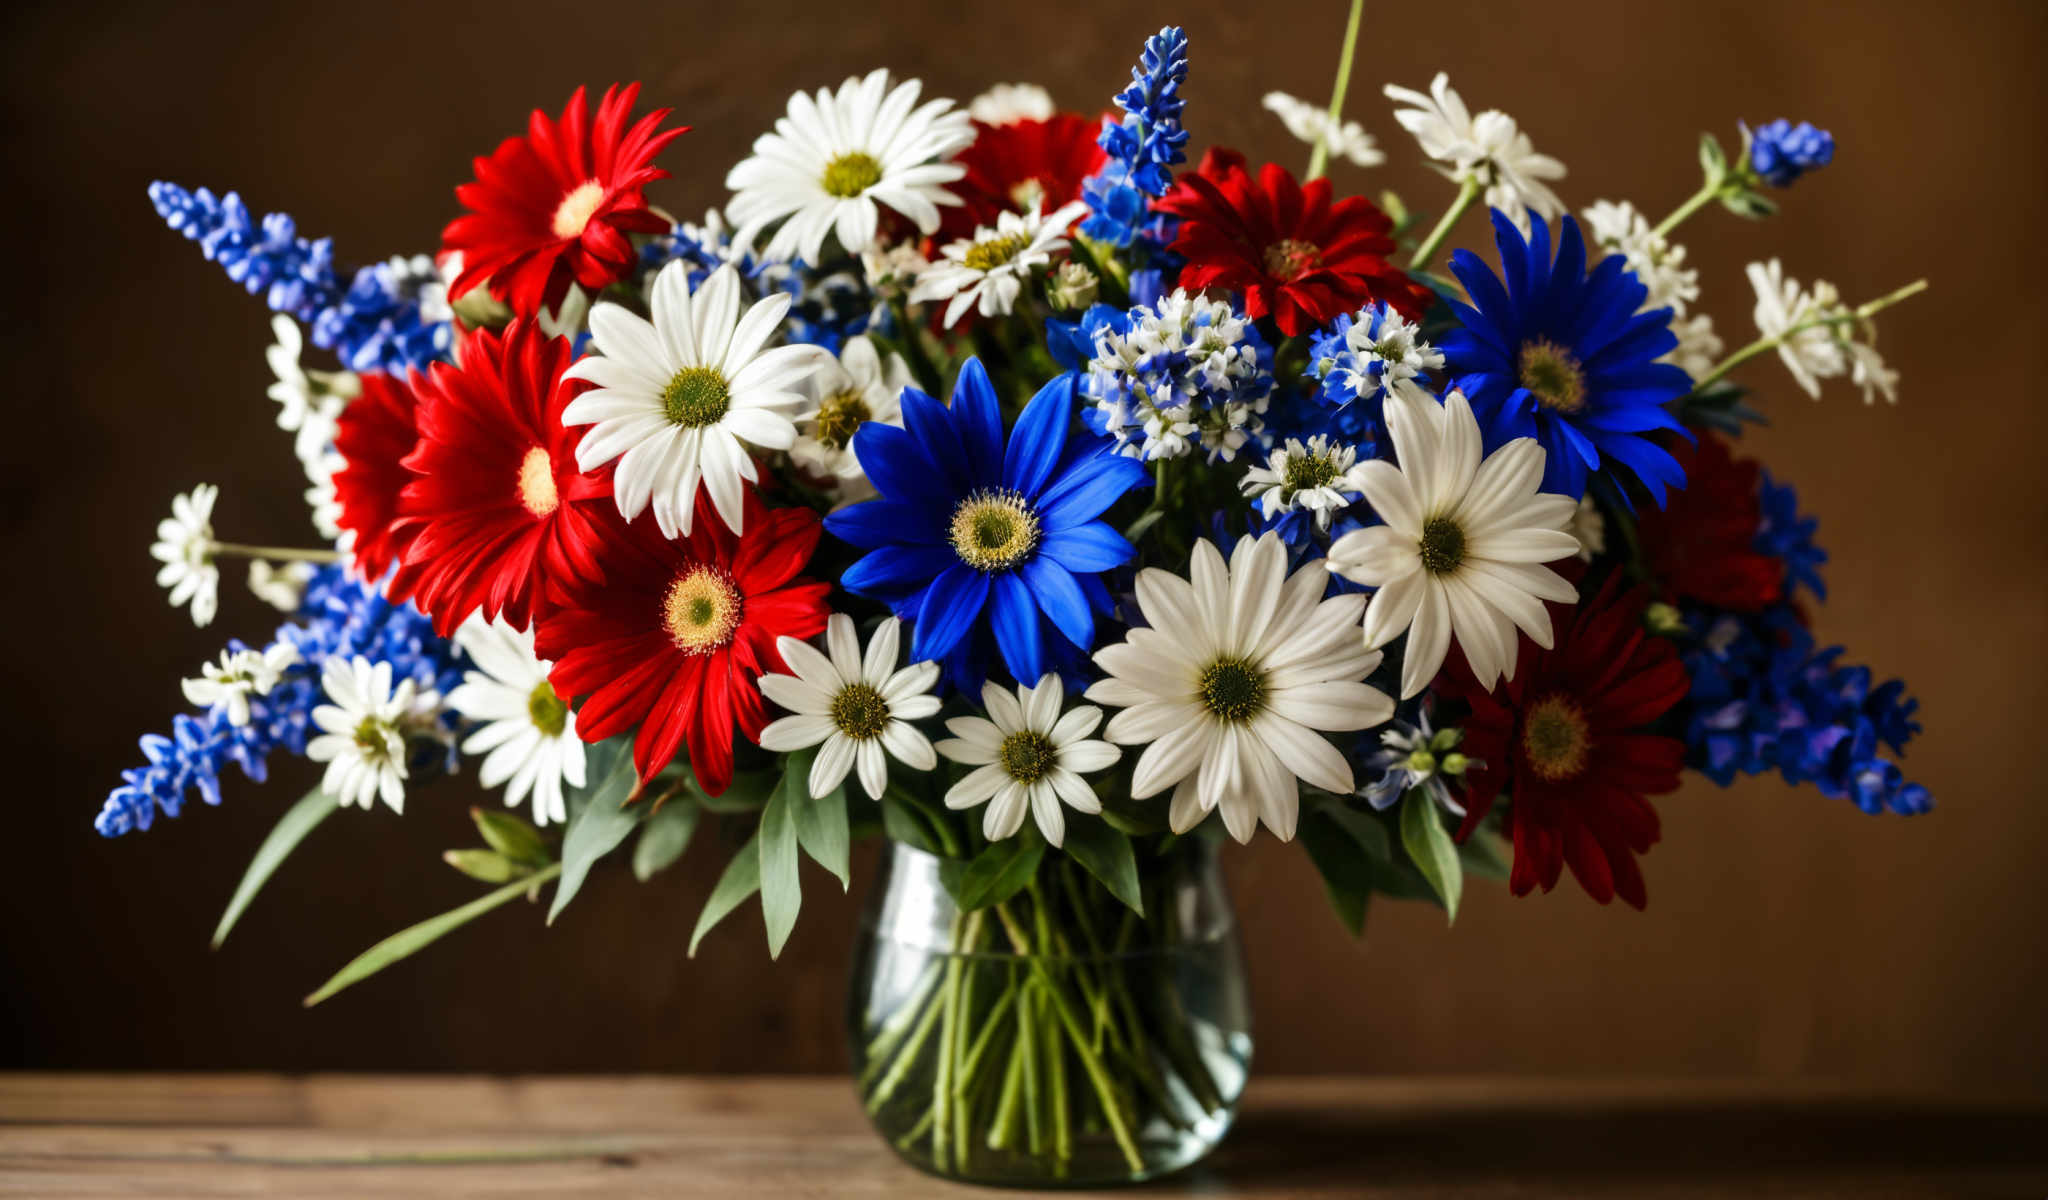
(1556, 738)
(839, 415)
(701, 610)
(537, 483)
(860, 712)
(576, 209)
(1442, 546)
(1306, 472)
(1233, 689)
(696, 397)
(1027, 756)
(370, 738)
(849, 175)
(1291, 258)
(1552, 375)
(992, 252)
(994, 530)
(549, 714)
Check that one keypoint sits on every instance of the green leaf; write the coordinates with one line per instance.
(1107, 855)
(822, 828)
(665, 836)
(904, 819)
(747, 792)
(1341, 861)
(781, 890)
(1752, 205)
(602, 821)
(291, 829)
(1429, 844)
(410, 941)
(484, 866)
(998, 872)
(742, 879)
(1366, 829)
(1713, 163)
(510, 836)
(1480, 854)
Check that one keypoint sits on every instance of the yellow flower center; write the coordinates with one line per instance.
(1290, 258)
(839, 415)
(550, 715)
(1027, 757)
(1556, 738)
(701, 610)
(851, 174)
(1306, 472)
(860, 712)
(1553, 376)
(994, 530)
(537, 483)
(1233, 689)
(1443, 545)
(576, 209)
(696, 397)
(992, 252)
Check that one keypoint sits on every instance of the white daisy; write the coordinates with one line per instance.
(678, 398)
(527, 733)
(987, 271)
(1489, 149)
(184, 545)
(1009, 103)
(1311, 124)
(1228, 682)
(1319, 475)
(860, 386)
(1462, 549)
(309, 402)
(836, 155)
(857, 710)
(1027, 757)
(362, 738)
(280, 585)
(239, 675)
(1782, 305)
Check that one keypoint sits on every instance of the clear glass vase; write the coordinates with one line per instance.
(1056, 1038)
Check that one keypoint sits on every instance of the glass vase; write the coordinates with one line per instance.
(1057, 1038)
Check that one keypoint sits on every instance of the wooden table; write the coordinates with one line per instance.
(760, 1138)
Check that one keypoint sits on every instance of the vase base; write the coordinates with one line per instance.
(1096, 1161)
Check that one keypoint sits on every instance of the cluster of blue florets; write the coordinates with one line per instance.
(825, 308)
(1780, 152)
(1143, 148)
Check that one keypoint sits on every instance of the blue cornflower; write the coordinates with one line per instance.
(1185, 372)
(1780, 152)
(1358, 361)
(1562, 355)
(1785, 534)
(972, 531)
(1143, 147)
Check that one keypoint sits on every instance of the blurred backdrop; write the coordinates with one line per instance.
(1787, 934)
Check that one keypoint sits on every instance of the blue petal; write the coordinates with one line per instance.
(950, 606)
(932, 424)
(979, 418)
(896, 570)
(1060, 597)
(1087, 548)
(898, 466)
(1087, 488)
(1014, 617)
(1038, 437)
(875, 523)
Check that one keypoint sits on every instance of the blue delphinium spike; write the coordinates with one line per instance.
(1143, 148)
(1780, 152)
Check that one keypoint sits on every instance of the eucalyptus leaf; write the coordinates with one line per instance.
(742, 878)
(601, 821)
(781, 889)
(411, 940)
(291, 829)
(1429, 845)
(822, 827)
(665, 836)
(999, 872)
(510, 836)
(1341, 861)
(1107, 855)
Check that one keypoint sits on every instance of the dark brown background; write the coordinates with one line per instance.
(1788, 934)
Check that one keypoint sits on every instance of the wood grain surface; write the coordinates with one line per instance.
(458, 1137)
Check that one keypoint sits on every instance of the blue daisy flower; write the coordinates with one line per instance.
(974, 533)
(1563, 355)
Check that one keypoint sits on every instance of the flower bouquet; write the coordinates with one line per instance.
(994, 481)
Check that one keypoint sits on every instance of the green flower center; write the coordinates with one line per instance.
(994, 530)
(696, 397)
(839, 415)
(851, 174)
(547, 710)
(1233, 689)
(1290, 258)
(1306, 472)
(1555, 738)
(860, 712)
(369, 738)
(1026, 756)
(1442, 546)
(1553, 376)
(990, 253)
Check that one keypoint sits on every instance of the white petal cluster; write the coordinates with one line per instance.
(184, 545)
(1379, 350)
(857, 387)
(1009, 103)
(986, 272)
(309, 403)
(1311, 123)
(280, 585)
(239, 675)
(1320, 476)
(525, 732)
(1185, 375)
(857, 708)
(1028, 757)
(363, 730)
(1818, 351)
(1489, 149)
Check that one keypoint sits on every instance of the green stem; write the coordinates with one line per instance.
(906, 1060)
(1002, 1130)
(284, 553)
(971, 1068)
(1321, 154)
(891, 1034)
(1467, 193)
(1709, 192)
(1861, 313)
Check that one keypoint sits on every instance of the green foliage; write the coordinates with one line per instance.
(599, 819)
(781, 889)
(1429, 844)
(822, 828)
(1342, 862)
(410, 941)
(1106, 854)
(291, 829)
(484, 866)
(1000, 871)
(511, 836)
(742, 878)
(665, 836)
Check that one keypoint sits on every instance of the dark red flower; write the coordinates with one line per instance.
(1020, 165)
(674, 638)
(555, 206)
(373, 435)
(499, 506)
(1702, 545)
(1287, 247)
(1565, 739)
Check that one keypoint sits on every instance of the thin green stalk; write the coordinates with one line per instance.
(282, 553)
(1002, 1129)
(1027, 1046)
(1467, 193)
(1708, 193)
(949, 1026)
(1862, 312)
(891, 1034)
(1062, 1117)
(1321, 154)
(900, 1070)
(957, 1045)
(976, 1053)
(917, 1131)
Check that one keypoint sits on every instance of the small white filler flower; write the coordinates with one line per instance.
(1320, 475)
(1311, 123)
(239, 675)
(987, 271)
(184, 545)
(362, 732)
(1489, 150)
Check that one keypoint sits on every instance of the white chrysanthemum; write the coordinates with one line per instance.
(678, 399)
(280, 585)
(858, 387)
(1589, 527)
(856, 710)
(836, 155)
(239, 675)
(362, 731)
(1311, 124)
(1811, 354)
(184, 545)
(309, 402)
(1009, 103)
(527, 733)
(1027, 757)
(1618, 228)
(1228, 682)
(1699, 347)
(1462, 549)
(1320, 475)
(987, 271)
(1489, 149)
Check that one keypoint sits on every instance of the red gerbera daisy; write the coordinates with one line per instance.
(675, 637)
(1287, 247)
(555, 206)
(373, 435)
(1702, 545)
(1565, 739)
(499, 506)
(1022, 165)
